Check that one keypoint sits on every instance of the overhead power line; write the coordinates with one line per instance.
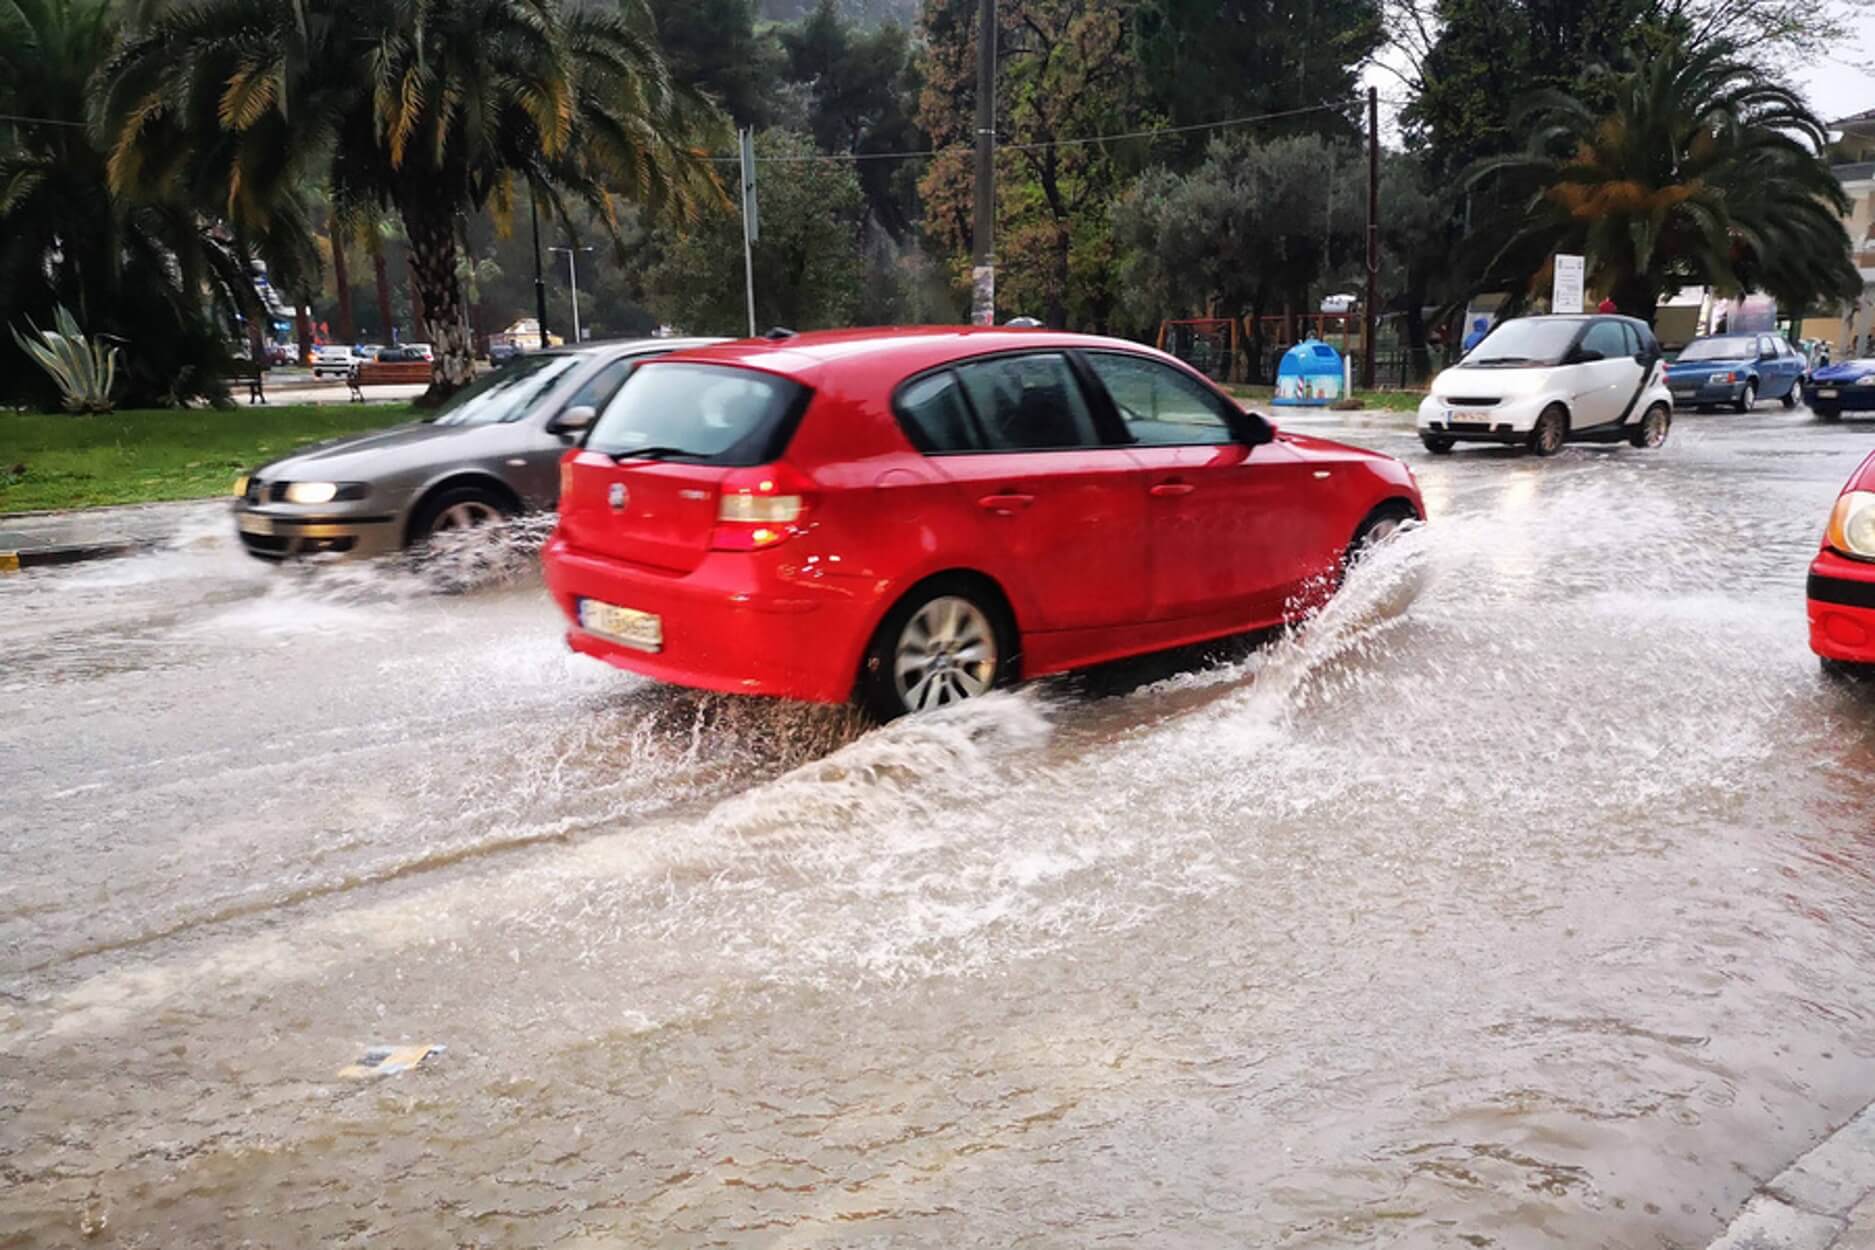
(40, 121)
(1151, 133)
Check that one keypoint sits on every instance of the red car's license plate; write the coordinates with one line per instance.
(629, 626)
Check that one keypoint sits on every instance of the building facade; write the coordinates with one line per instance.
(1853, 333)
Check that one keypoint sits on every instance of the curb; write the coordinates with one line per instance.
(1813, 1203)
(64, 553)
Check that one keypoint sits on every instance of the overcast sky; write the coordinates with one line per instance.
(1844, 83)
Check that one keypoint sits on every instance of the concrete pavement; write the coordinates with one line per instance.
(1823, 1201)
(33, 539)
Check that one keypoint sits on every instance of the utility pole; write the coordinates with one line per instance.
(540, 281)
(572, 270)
(751, 218)
(1370, 306)
(983, 264)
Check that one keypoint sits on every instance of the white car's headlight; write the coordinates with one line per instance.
(323, 492)
(1852, 524)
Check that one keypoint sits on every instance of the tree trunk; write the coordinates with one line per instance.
(437, 287)
(418, 321)
(1635, 296)
(302, 328)
(1256, 338)
(1416, 328)
(1058, 289)
(342, 278)
(381, 273)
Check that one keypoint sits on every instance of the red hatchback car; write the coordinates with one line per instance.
(1842, 577)
(916, 516)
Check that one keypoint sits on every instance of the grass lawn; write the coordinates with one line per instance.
(1392, 401)
(56, 460)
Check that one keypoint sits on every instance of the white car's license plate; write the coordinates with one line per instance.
(1826, 392)
(248, 523)
(629, 626)
(1464, 415)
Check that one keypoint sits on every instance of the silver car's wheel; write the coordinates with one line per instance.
(456, 510)
(946, 652)
(465, 515)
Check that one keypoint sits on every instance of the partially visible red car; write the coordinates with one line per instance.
(1841, 590)
(916, 516)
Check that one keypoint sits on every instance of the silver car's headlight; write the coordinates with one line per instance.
(323, 492)
(1852, 525)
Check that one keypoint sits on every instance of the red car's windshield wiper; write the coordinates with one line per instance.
(651, 453)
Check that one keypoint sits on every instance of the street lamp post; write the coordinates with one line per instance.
(572, 269)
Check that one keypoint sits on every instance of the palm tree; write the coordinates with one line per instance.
(1702, 173)
(146, 272)
(427, 109)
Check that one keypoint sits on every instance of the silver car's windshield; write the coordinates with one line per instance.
(508, 393)
(1525, 342)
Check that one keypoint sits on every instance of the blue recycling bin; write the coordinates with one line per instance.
(1309, 375)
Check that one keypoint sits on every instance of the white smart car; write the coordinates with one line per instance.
(1540, 382)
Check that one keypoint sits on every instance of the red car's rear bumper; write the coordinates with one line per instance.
(1842, 608)
(740, 622)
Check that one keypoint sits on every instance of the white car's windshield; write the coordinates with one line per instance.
(1527, 341)
(1729, 347)
(507, 394)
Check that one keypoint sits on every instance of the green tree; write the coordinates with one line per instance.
(808, 263)
(862, 91)
(1702, 173)
(1203, 60)
(1066, 72)
(1461, 60)
(428, 110)
(1257, 227)
(715, 46)
(146, 272)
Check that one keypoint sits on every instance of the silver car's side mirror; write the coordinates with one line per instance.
(574, 420)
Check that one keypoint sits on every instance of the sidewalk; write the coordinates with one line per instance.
(34, 539)
(1823, 1201)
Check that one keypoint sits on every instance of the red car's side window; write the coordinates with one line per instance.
(935, 415)
(1159, 406)
(1028, 402)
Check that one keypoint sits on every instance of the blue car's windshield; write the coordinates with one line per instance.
(1725, 347)
(508, 393)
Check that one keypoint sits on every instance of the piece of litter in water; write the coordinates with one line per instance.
(388, 1061)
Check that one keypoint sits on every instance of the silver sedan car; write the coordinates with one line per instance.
(492, 451)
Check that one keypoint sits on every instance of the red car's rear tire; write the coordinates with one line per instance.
(949, 639)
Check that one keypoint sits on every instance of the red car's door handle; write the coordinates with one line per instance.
(1005, 504)
(1172, 490)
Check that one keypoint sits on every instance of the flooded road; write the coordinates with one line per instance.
(1526, 899)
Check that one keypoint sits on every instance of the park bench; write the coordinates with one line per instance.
(387, 373)
(253, 375)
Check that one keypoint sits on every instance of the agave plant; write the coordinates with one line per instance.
(85, 370)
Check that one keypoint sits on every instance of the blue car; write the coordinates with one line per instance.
(1736, 369)
(1847, 387)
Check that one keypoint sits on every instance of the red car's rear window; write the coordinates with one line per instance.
(700, 414)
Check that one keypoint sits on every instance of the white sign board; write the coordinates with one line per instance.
(1566, 295)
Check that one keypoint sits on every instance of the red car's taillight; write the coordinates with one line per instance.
(759, 508)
